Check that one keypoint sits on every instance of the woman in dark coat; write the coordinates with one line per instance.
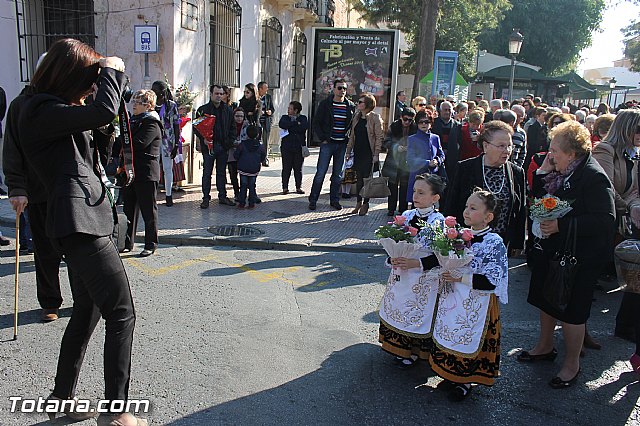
(79, 215)
(140, 196)
(251, 104)
(570, 173)
(291, 147)
(493, 172)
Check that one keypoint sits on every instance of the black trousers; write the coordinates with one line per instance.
(233, 174)
(47, 260)
(100, 288)
(398, 189)
(292, 159)
(628, 320)
(141, 197)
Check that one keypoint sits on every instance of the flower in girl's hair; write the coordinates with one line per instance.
(399, 220)
(450, 221)
(452, 233)
(467, 235)
(412, 231)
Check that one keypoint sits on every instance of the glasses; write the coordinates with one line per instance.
(424, 122)
(239, 116)
(140, 103)
(407, 119)
(248, 91)
(506, 148)
(341, 87)
(421, 104)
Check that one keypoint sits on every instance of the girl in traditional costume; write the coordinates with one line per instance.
(467, 324)
(407, 307)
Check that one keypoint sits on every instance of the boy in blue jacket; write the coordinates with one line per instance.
(250, 157)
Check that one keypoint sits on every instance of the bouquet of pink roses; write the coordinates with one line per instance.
(450, 243)
(399, 239)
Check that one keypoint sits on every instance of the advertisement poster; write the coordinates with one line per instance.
(365, 59)
(445, 65)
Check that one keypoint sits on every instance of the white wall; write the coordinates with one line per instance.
(10, 69)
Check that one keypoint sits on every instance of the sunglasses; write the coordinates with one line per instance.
(422, 104)
(424, 122)
(406, 119)
(341, 87)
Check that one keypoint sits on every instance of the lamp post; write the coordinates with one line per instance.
(515, 43)
(612, 85)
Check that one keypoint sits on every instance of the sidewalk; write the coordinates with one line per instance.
(281, 222)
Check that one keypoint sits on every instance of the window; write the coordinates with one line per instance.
(189, 15)
(41, 22)
(271, 52)
(299, 60)
(224, 30)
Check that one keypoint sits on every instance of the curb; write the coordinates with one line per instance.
(262, 244)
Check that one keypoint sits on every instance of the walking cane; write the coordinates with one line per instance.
(15, 302)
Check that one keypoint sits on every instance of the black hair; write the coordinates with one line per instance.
(409, 112)
(261, 83)
(214, 86)
(490, 201)
(435, 182)
(338, 80)
(252, 131)
(297, 106)
(398, 94)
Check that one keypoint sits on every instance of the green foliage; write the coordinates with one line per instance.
(396, 233)
(632, 45)
(555, 31)
(460, 23)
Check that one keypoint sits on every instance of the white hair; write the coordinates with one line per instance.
(446, 102)
(496, 103)
(519, 110)
(565, 109)
(580, 115)
(591, 117)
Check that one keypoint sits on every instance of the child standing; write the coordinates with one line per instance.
(470, 309)
(406, 311)
(250, 157)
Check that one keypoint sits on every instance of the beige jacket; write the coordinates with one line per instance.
(616, 168)
(374, 130)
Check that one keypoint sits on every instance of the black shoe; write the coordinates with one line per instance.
(285, 191)
(445, 385)
(346, 196)
(4, 241)
(390, 213)
(168, 201)
(225, 201)
(299, 191)
(525, 356)
(24, 251)
(336, 205)
(459, 392)
(257, 200)
(312, 206)
(558, 383)
(146, 252)
(265, 163)
(205, 203)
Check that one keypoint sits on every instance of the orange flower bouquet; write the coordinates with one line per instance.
(548, 207)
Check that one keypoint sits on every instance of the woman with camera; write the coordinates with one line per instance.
(79, 213)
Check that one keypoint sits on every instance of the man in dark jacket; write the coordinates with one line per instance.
(266, 118)
(331, 125)
(395, 163)
(448, 130)
(24, 188)
(250, 156)
(224, 134)
(536, 137)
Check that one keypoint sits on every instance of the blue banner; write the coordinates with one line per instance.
(445, 64)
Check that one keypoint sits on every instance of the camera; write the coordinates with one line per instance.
(127, 93)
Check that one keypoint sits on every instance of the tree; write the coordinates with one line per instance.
(555, 31)
(632, 45)
(458, 23)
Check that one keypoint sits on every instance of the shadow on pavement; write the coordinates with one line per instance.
(29, 317)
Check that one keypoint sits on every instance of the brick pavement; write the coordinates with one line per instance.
(284, 220)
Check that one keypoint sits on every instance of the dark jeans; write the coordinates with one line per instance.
(248, 183)
(398, 197)
(46, 259)
(233, 175)
(140, 197)
(100, 288)
(329, 151)
(26, 240)
(220, 158)
(292, 159)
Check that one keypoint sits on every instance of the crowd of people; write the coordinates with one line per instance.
(476, 162)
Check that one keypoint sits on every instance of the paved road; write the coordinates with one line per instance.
(251, 337)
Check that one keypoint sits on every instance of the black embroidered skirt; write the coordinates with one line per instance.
(484, 367)
(403, 345)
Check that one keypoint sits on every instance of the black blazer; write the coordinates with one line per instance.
(590, 193)
(452, 150)
(59, 146)
(469, 176)
(147, 139)
(297, 129)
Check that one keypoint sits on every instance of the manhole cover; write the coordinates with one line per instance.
(235, 231)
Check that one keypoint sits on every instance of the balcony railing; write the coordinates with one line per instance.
(323, 9)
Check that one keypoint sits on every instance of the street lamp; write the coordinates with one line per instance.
(612, 85)
(515, 43)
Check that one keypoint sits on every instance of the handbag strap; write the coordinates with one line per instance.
(571, 240)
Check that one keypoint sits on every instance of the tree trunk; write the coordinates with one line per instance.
(426, 44)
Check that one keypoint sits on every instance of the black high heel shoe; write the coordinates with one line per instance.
(68, 409)
(525, 356)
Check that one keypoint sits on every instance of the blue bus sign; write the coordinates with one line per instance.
(145, 39)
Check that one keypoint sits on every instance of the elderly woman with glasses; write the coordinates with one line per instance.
(570, 173)
(424, 151)
(366, 142)
(493, 172)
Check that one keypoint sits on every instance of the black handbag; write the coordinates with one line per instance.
(561, 272)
